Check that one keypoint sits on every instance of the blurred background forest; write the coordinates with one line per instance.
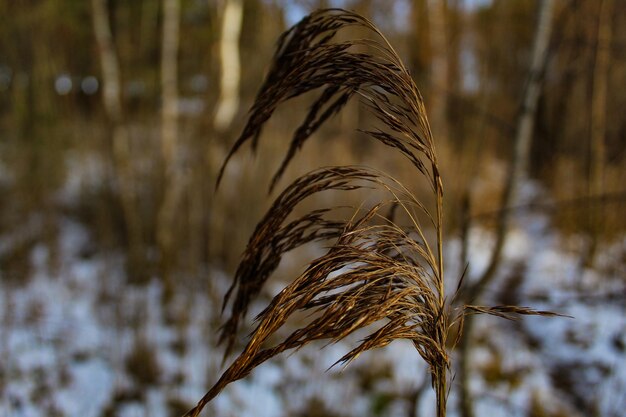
(115, 247)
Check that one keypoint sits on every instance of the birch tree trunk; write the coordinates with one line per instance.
(170, 147)
(518, 171)
(122, 158)
(598, 120)
(228, 102)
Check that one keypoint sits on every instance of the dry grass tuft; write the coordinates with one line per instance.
(376, 269)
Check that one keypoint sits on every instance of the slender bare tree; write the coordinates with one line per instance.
(518, 171)
(228, 102)
(169, 80)
(518, 168)
(170, 146)
(419, 53)
(598, 118)
(112, 101)
(439, 67)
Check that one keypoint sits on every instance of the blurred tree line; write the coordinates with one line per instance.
(117, 114)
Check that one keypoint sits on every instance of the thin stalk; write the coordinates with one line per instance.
(442, 391)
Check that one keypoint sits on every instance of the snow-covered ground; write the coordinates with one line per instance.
(81, 342)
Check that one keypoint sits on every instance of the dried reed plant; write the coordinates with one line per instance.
(377, 270)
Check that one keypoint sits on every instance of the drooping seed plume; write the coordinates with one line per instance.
(376, 269)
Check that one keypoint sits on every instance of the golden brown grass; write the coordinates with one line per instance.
(382, 266)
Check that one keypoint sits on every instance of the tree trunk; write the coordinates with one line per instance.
(517, 173)
(518, 168)
(439, 68)
(419, 52)
(598, 121)
(454, 34)
(170, 147)
(169, 82)
(122, 159)
(108, 61)
(228, 102)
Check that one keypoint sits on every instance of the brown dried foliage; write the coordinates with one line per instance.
(376, 270)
